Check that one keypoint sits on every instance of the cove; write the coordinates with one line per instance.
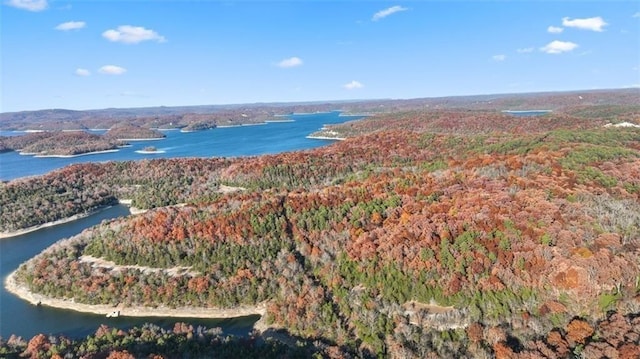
(21, 318)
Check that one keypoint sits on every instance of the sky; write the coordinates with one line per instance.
(101, 54)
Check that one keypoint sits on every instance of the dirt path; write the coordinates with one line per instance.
(103, 263)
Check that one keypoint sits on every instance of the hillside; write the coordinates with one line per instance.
(125, 132)
(58, 143)
(425, 234)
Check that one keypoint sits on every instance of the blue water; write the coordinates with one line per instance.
(527, 113)
(272, 137)
(21, 318)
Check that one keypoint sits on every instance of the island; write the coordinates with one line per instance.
(149, 150)
(198, 126)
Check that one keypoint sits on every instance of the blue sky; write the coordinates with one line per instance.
(99, 54)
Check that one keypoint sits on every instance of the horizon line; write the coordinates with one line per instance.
(314, 102)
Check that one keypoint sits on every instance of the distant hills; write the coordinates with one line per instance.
(208, 116)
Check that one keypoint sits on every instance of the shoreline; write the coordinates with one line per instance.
(75, 217)
(253, 124)
(202, 130)
(141, 139)
(245, 124)
(361, 114)
(279, 121)
(132, 210)
(72, 156)
(22, 292)
(326, 138)
(150, 152)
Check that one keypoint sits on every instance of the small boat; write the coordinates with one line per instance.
(114, 314)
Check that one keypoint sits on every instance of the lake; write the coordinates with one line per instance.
(273, 137)
(21, 318)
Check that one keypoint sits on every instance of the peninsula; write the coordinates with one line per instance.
(133, 133)
(58, 143)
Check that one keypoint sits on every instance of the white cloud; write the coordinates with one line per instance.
(82, 72)
(525, 50)
(112, 70)
(353, 85)
(386, 12)
(132, 35)
(499, 57)
(555, 29)
(290, 62)
(636, 14)
(31, 5)
(71, 25)
(592, 23)
(558, 47)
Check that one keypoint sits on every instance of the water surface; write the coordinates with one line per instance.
(272, 137)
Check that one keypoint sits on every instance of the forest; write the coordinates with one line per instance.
(70, 143)
(57, 143)
(124, 132)
(427, 233)
(187, 341)
(189, 117)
